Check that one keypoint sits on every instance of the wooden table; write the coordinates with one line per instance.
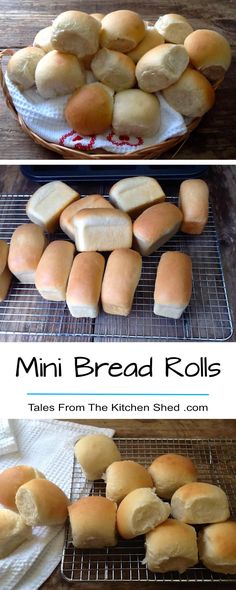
(215, 137)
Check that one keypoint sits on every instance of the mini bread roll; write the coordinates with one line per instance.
(114, 69)
(5, 274)
(102, 229)
(11, 479)
(122, 30)
(43, 39)
(75, 32)
(4, 250)
(194, 204)
(98, 16)
(134, 195)
(13, 532)
(84, 285)
(136, 113)
(200, 503)
(93, 522)
(155, 226)
(209, 52)
(217, 547)
(151, 39)
(42, 502)
(89, 110)
(120, 281)
(47, 203)
(58, 74)
(139, 512)
(170, 471)
(173, 286)
(171, 546)
(95, 452)
(123, 477)
(22, 65)
(192, 95)
(27, 246)
(160, 67)
(89, 202)
(174, 27)
(53, 270)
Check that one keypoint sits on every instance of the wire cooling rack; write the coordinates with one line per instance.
(216, 463)
(206, 318)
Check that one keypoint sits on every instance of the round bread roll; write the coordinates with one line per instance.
(169, 472)
(93, 522)
(217, 547)
(114, 69)
(95, 452)
(11, 479)
(174, 27)
(43, 39)
(160, 67)
(123, 477)
(151, 39)
(200, 503)
(171, 546)
(139, 512)
(22, 65)
(13, 532)
(89, 110)
(75, 32)
(98, 16)
(42, 502)
(192, 95)
(58, 74)
(122, 30)
(136, 113)
(209, 52)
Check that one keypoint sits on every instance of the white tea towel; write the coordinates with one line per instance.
(47, 445)
(7, 440)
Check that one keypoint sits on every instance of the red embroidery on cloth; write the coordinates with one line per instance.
(77, 140)
(123, 140)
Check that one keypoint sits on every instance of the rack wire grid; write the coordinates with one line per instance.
(207, 317)
(216, 463)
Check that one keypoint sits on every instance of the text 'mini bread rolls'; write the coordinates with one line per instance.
(84, 285)
(169, 472)
(89, 202)
(136, 113)
(194, 204)
(133, 195)
(93, 522)
(217, 547)
(160, 67)
(102, 229)
(46, 204)
(139, 512)
(155, 226)
(5, 273)
(95, 452)
(13, 532)
(42, 502)
(22, 65)
(89, 110)
(122, 30)
(121, 277)
(53, 270)
(28, 243)
(11, 479)
(58, 74)
(174, 27)
(209, 52)
(200, 503)
(171, 546)
(123, 477)
(192, 95)
(114, 69)
(75, 32)
(173, 285)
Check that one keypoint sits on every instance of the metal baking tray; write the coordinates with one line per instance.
(216, 463)
(207, 317)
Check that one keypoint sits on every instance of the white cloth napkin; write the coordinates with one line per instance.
(7, 440)
(47, 445)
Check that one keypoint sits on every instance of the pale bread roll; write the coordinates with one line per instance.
(192, 95)
(122, 30)
(200, 503)
(171, 546)
(151, 39)
(194, 204)
(43, 39)
(11, 479)
(139, 512)
(47, 203)
(134, 195)
(174, 27)
(84, 285)
(95, 452)
(53, 270)
(123, 477)
(209, 52)
(93, 522)
(114, 69)
(89, 110)
(42, 502)
(75, 32)
(170, 471)
(102, 229)
(217, 547)
(161, 66)
(155, 226)
(173, 286)
(136, 113)
(22, 65)
(58, 74)
(27, 245)
(98, 16)
(89, 202)
(121, 277)
(5, 273)
(13, 532)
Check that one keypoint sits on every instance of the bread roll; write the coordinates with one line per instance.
(173, 286)
(53, 270)
(200, 503)
(160, 67)
(174, 27)
(11, 479)
(43, 39)
(47, 203)
(136, 113)
(27, 246)
(75, 32)
(5, 274)
(123, 477)
(134, 195)
(95, 452)
(93, 522)
(89, 110)
(89, 202)
(192, 95)
(98, 16)
(151, 39)
(114, 69)
(171, 546)
(209, 52)
(120, 281)
(155, 226)
(84, 285)
(170, 471)
(139, 512)
(13, 532)
(194, 203)
(4, 250)
(41, 502)
(217, 547)
(58, 74)
(22, 65)
(102, 229)
(122, 30)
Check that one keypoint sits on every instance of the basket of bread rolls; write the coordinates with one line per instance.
(108, 86)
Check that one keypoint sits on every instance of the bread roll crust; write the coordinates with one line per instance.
(209, 52)
(43, 39)
(192, 95)
(13, 532)
(89, 202)
(120, 281)
(22, 65)
(102, 229)
(200, 503)
(173, 286)
(139, 512)
(136, 113)
(122, 30)
(11, 479)
(89, 110)
(84, 284)
(170, 471)
(53, 270)
(42, 502)
(27, 246)
(114, 69)
(155, 226)
(194, 203)
(161, 66)
(93, 521)
(5, 274)
(58, 74)
(76, 32)
(123, 477)
(171, 546)
(134, 195)
(174, 27)
(95, 452)
(151, 39)
(217, 547)
(47, 203)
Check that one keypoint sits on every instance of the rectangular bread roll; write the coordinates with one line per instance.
(27, 246)
(53, 270)
(155, 226)
(47, 203)
(84, 285)
(134, 195)
(120, 281)
(194, 203)
(5, 274)
(89, 202)
(102, 229)
(173, 286)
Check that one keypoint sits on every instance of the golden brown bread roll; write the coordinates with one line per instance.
(121, 277)
(58, 74)
(93, 522)
(135, 194)
(47, 203)
(102, 229)
(217, 547)
(41, 502)
(171, 546)
(53, 270)
(170, 471)
(122, 30)
(209, 52)
(192, 95)
(173, 286)
(5, 274)
(139, 512)
(84, 285)
(28, 243)
(136, 113)
(75, 32)
(11, 479)
(155, 226)
(194, 204)
(89, 110)
(151, 39)
(114, 69)
(89, 202)
(123, 477)
(161, 66)
(22, 65)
